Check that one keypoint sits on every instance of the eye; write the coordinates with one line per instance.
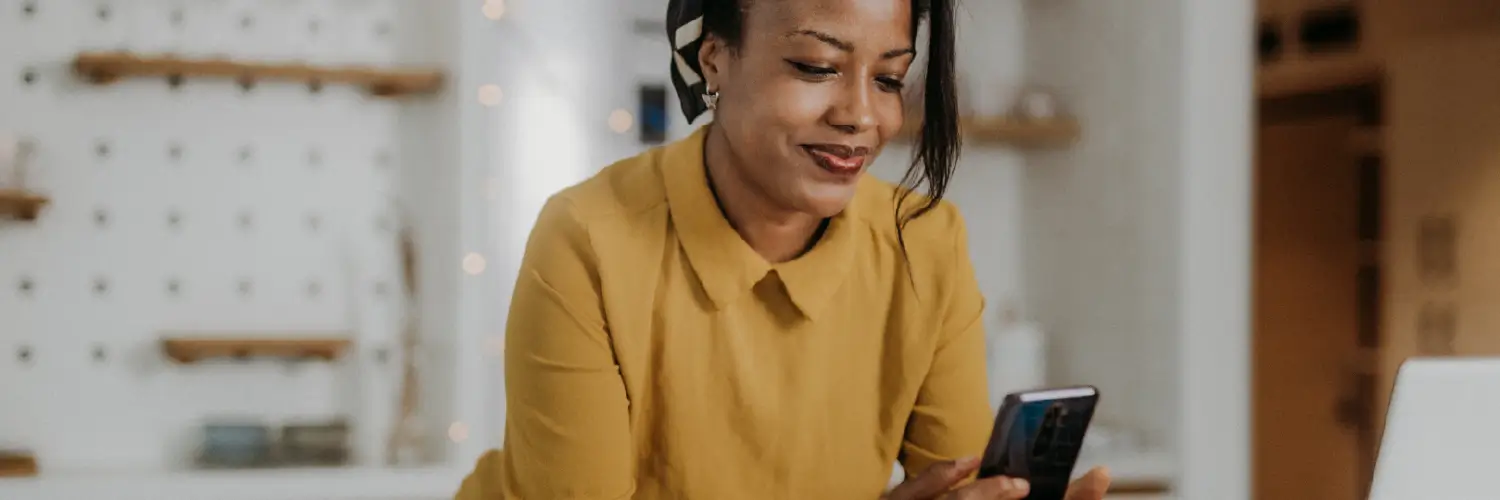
(813, 71)
(891, 83)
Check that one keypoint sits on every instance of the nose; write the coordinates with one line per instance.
(854, 110)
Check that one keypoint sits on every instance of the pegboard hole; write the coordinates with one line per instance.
(29, 76)
(24, 354)
(100, 354)
(383, 224)
(314, 289)
(175, 82)
(313, 27)
(174, 220)
(177, 18)
(314, 222)
(174, 152)
(382, 29)
(25, 286)
(102, 13)
(28, 9)
(174, 288)
(247, 23)
(246, 221)
(101, 149)
(101, 218)
(382, 160)
(314, 158)
(315, 86)
(382, 355)
(382, 289)
(101, 287)
(246, 288)
(247, 85)
(247, 155)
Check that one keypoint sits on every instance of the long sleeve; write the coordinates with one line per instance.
(567, 431)
(952, 417)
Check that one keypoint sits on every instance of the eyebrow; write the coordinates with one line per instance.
(845, 46)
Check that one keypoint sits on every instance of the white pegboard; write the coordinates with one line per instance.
(202, 207)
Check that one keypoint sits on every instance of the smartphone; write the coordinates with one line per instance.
(1037, 437)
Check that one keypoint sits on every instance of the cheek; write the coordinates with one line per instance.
(786, 102)
(890, 112)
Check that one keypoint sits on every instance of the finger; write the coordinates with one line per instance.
(1092, 486)
(995, 488)
(936, 480)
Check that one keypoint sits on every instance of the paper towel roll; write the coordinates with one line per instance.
(1017, 357)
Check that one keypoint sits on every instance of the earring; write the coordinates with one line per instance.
(711, 99)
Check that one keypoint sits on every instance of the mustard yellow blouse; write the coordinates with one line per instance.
(652, 354)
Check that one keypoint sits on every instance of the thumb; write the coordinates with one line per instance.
(936, 480)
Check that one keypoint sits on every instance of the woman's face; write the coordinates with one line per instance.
(811, 95)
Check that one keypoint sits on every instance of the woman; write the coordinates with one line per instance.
(746, 313)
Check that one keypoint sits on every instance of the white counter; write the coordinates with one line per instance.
(277, 484)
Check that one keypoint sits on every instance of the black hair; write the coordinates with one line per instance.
(939, 140)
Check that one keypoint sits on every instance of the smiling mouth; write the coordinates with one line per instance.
(838, 158)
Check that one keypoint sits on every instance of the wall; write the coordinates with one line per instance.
(1137, 241)
(1101, 219)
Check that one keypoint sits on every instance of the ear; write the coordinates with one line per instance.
(713, 57)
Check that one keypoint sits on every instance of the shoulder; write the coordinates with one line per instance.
(931, 250)
(939, 233)
(625, 187)
(618, 195)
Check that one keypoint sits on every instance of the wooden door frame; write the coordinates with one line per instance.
(1366, 98)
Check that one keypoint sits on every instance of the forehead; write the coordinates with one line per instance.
(855, 19)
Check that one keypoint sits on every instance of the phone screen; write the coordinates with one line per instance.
(1038, 436)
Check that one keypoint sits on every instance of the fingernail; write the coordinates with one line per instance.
(1020, 484)
(967, 462)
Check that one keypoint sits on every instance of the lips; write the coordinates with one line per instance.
(838, 158)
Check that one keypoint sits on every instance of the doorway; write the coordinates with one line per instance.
(1316, 294)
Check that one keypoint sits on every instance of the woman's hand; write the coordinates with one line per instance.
(937, 483)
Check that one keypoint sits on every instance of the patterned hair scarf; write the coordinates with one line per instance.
(685, 33)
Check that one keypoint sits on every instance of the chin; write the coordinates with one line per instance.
(828, 201)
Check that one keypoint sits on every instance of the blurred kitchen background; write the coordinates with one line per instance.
(263, 249)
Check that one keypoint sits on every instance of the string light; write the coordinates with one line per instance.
(458, 432)
(490, 95)
(494, 9)
(620, 121)
(474, 264)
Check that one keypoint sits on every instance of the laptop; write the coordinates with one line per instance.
(1442, 432)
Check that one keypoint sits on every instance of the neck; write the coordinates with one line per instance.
(776, 233)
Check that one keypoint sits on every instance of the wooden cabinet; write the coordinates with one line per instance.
(1443, 201)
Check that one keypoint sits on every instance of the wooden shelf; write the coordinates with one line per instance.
(103, 68)
(191, 349)
(1011, 132)
(17, 465)
(20, 204)
(1319, 74)
(1022, 133)
(1145, 487)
